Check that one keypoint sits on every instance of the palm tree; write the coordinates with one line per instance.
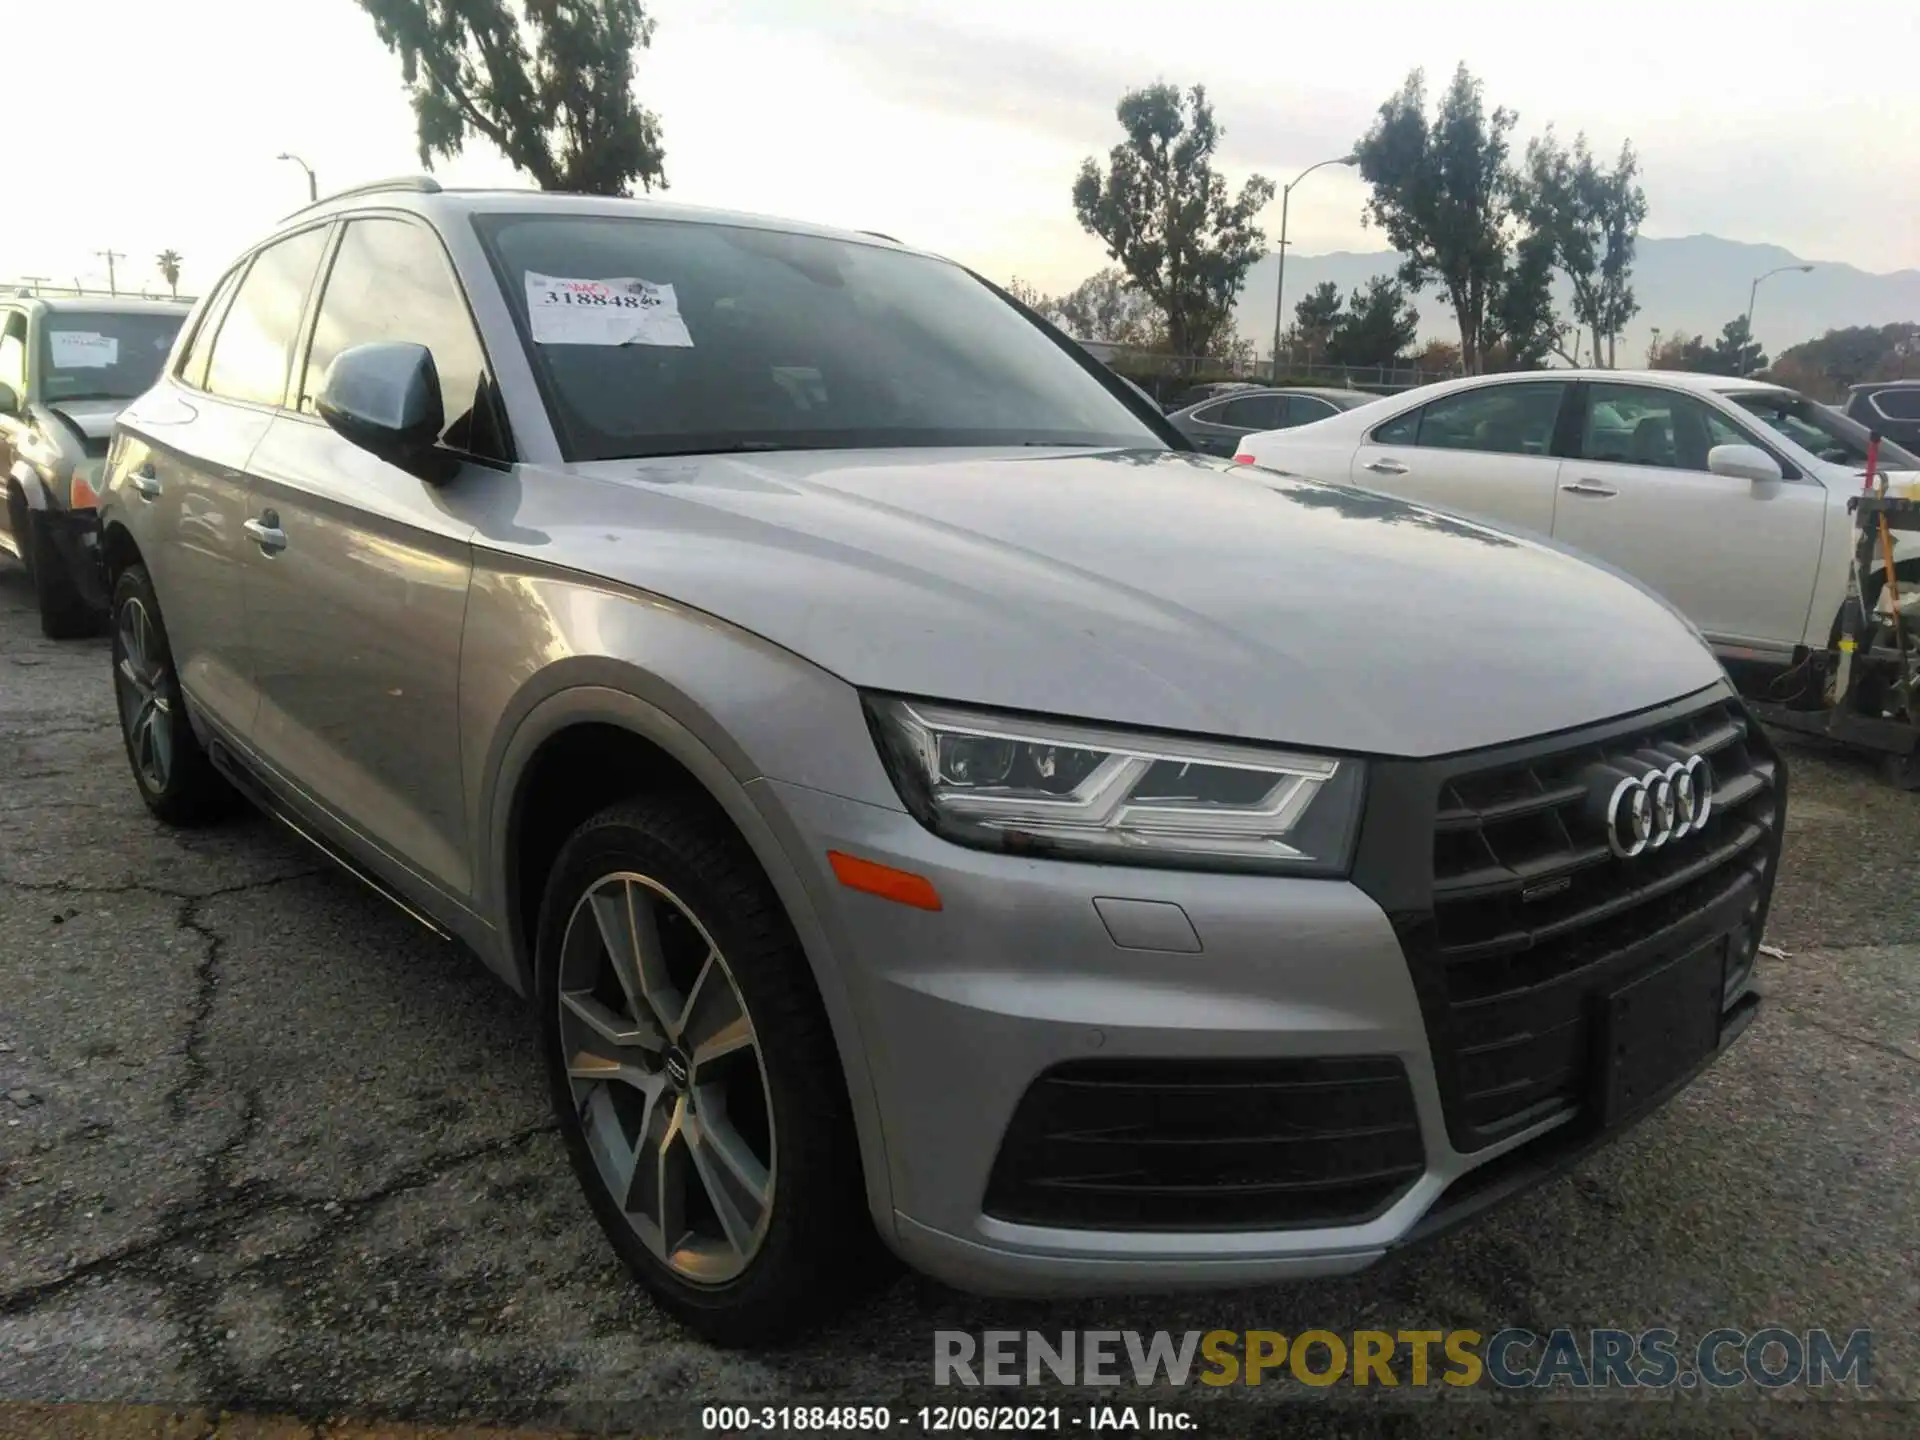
(170, 270)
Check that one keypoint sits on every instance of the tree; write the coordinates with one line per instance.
(1736, 352)
(1443, 194)
(169, 263)
(1826, 366)
(1591, 218)
(1680, 351)
(1316, 317)
(1166, 217)
(551, 86)
(1380, 325)
(1106, 306)
(1438, 357)
(1520, 329)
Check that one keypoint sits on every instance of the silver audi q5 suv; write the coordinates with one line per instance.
(921, 799)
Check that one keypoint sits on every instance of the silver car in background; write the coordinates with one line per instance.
(921, 798)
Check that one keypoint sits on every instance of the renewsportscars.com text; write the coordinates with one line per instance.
(1510, 1358)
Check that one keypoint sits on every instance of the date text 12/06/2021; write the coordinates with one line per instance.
(945, 1419)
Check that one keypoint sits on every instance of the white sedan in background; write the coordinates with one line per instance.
(1728, 496)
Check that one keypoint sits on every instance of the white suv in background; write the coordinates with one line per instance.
(1727, 496)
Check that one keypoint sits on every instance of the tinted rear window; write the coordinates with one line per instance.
(1902, 404)
(772, 340)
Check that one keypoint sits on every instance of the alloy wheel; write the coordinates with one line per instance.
(667, 1077)
(146, 714)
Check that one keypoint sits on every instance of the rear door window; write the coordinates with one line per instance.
(193, 363)
(1255, 412)
(1510, 419)
(1903, 404)
(250, 354)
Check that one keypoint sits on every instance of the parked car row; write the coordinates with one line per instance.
(926, 800)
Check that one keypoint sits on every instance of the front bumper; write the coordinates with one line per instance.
(962, 1010)
(1469, 993)
(75, 536)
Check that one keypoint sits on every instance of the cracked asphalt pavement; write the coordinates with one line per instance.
(268, 1147)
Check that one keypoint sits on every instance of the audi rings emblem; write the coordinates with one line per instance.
(1649, 810)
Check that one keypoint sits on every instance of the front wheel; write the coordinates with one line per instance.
(694, 1076)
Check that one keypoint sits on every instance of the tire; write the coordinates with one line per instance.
(64, 615)
(171, 770)
(765, 1125)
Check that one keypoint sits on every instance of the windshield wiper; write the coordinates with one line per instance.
(87, 395)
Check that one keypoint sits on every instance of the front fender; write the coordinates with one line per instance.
(32, 487)
(722, 777)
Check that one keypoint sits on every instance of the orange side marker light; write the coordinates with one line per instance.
(888, 883)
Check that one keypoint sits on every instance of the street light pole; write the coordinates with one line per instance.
(1280, 279)
(1754, 289)
(313, 186)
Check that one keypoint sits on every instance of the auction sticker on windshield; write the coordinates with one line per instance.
(83, 350)
(604, 312)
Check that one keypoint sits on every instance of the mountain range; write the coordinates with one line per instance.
(1693, 284)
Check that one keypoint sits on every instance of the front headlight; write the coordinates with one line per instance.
(1055, 787)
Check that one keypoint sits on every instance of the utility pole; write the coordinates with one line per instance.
(110, 256)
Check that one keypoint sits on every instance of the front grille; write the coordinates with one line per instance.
(1209, 1145)
(1527, 916)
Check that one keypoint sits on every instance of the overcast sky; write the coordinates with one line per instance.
(959, 128)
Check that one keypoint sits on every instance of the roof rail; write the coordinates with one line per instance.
(417, 184)
(881, 235)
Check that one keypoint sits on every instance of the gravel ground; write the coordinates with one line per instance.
(268, 1148)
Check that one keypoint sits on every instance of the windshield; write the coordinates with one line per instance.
(1821, 431)
(660, 337)
(103, 354)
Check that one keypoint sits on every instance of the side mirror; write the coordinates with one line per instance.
(9, 399)
(1744, 462)
(385, 398)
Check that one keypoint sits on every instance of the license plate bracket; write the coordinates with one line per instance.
(1655, 1029)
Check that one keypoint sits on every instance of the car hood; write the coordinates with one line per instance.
(92, 418)
(1157, 589)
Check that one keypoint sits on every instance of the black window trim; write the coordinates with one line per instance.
(310, 319)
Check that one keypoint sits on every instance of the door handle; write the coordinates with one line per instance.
(1590, 487)
(1385, 467)
(267, 533)
(145, 483)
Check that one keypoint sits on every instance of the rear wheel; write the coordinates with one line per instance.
(64, 615)
(694, 1075)
(176, 780)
